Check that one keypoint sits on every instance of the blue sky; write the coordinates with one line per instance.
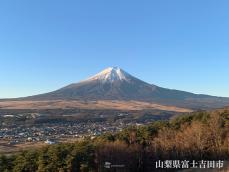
(178, 44)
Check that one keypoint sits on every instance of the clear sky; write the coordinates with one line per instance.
(47, 44)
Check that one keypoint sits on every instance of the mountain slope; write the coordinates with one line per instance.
(116, 84)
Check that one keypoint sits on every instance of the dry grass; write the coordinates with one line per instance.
(5, 148)
(101, 104)
(8, 149)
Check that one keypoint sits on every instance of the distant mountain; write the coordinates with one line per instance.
(115, 84)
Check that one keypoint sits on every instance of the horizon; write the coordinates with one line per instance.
(105, 69)
(177, 45)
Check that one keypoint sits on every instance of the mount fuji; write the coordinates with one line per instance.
(114, 83)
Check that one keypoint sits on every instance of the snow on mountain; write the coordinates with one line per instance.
(111, 74)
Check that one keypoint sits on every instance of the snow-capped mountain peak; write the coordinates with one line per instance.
(111, 74)
(115, 84)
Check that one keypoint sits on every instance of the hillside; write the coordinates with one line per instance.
(91, 105)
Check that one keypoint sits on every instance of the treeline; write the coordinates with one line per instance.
(196, 136)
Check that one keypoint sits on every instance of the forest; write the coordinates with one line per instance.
(202, 135)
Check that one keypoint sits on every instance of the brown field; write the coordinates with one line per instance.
(102, 104)
(6, 148)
